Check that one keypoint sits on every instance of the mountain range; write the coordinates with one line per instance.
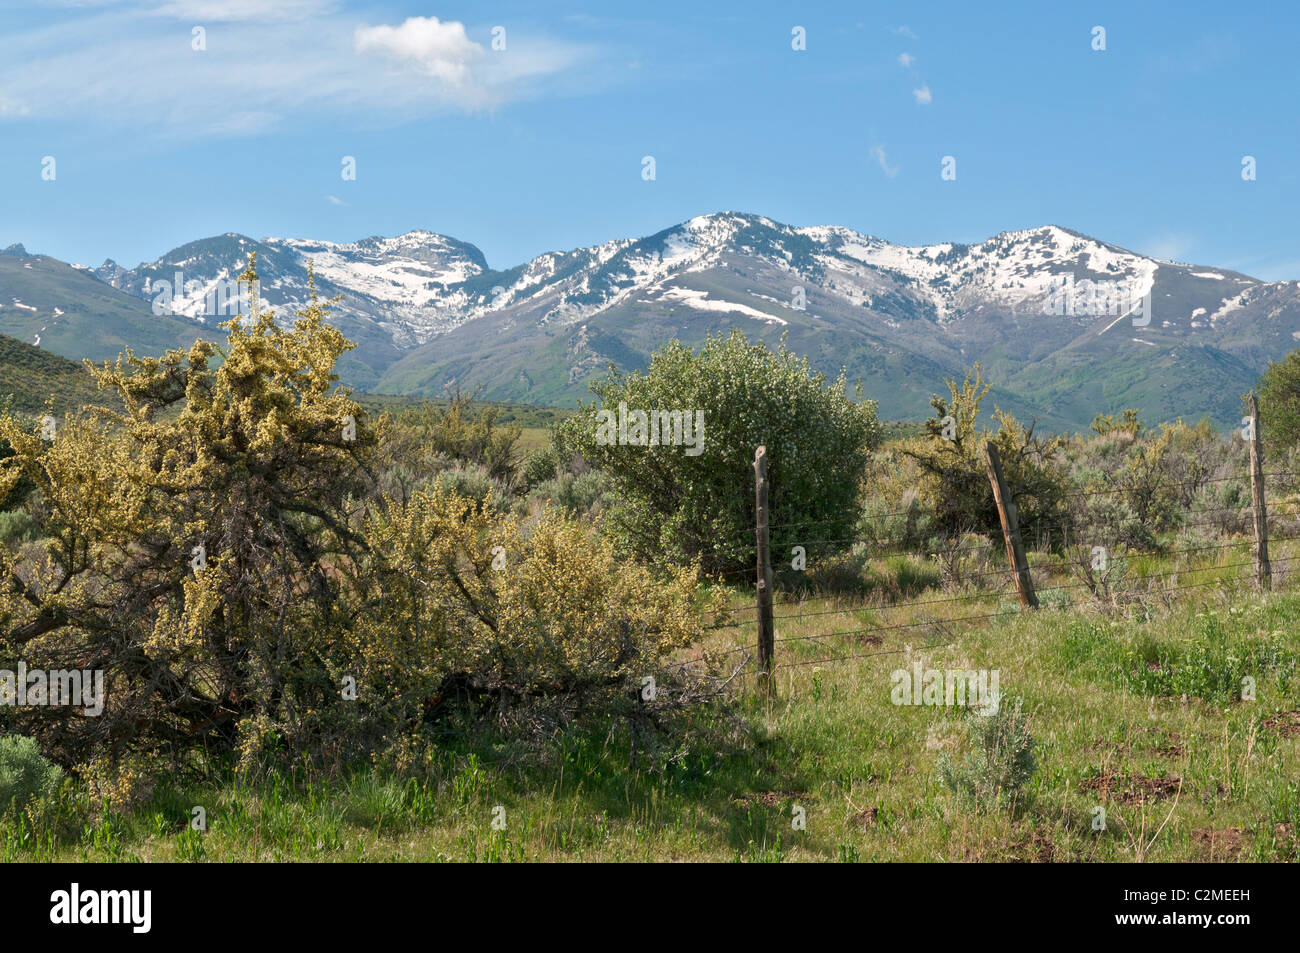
(1065, 325)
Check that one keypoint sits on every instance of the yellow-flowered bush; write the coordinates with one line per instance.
(217, 543)
(511, 609)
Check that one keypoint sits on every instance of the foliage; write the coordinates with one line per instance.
(1000, 764)
(251, 462)
(1208, 666)
(1279, 401)
(17, 527)
(678, 506)
(467, 600)
(1134, 483)
(1127, 422)
(584, 494)
(25, 775)
(467, 433)
(953, 465)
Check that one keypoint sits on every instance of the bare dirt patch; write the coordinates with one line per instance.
(1226, 844)
(772, 798)
(1038, 848)
(869, 817)
(1130, 787)
(1285, 723)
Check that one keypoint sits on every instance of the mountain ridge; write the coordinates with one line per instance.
(429, 313)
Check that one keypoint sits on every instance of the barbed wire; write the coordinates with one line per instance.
(1006, 571)
(860, 655)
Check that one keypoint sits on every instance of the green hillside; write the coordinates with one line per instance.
(31, 378)
(77, 315)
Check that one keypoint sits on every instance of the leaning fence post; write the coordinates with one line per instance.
(1263, 570)
(763, 587)
(1010, 530)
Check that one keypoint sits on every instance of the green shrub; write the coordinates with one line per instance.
(1279, 401)
(1000, 764)
(543, 465)
(189, 846)
(25, 774)
(828, 575)
(17, 527)
(475, 483)
(469, 434)
(581, 494)
(912, 574)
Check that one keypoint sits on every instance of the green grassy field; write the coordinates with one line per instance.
(1136, 710)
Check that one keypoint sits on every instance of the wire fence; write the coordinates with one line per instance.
(1067, 569)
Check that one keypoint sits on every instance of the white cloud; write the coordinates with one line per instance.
(904, 31)
(441, 50)
(878, 153)
(905, 60)
(335, 200)
(923, 96)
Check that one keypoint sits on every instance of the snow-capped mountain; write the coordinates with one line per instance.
(411, 285)
(1068, 325)
(419, 285)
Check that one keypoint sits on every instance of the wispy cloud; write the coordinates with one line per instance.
(905, 60)
(1171, 246)
(878, 154)
(235, 10)
(335, 200)
(923, 96)
(266, 62)
(904, 31)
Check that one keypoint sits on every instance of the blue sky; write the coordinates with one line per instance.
(539, 146)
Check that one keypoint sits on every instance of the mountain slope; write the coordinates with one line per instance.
(74, 314)
(1066, 325)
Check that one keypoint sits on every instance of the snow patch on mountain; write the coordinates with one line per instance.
(700, 301)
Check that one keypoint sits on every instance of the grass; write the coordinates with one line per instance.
(1138, 713)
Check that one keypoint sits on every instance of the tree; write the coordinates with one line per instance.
(955, 481)
(1279, 401)
(686, 501)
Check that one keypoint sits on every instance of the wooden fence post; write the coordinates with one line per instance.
(1263, 570)
(763, 587)
(1011, 530)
